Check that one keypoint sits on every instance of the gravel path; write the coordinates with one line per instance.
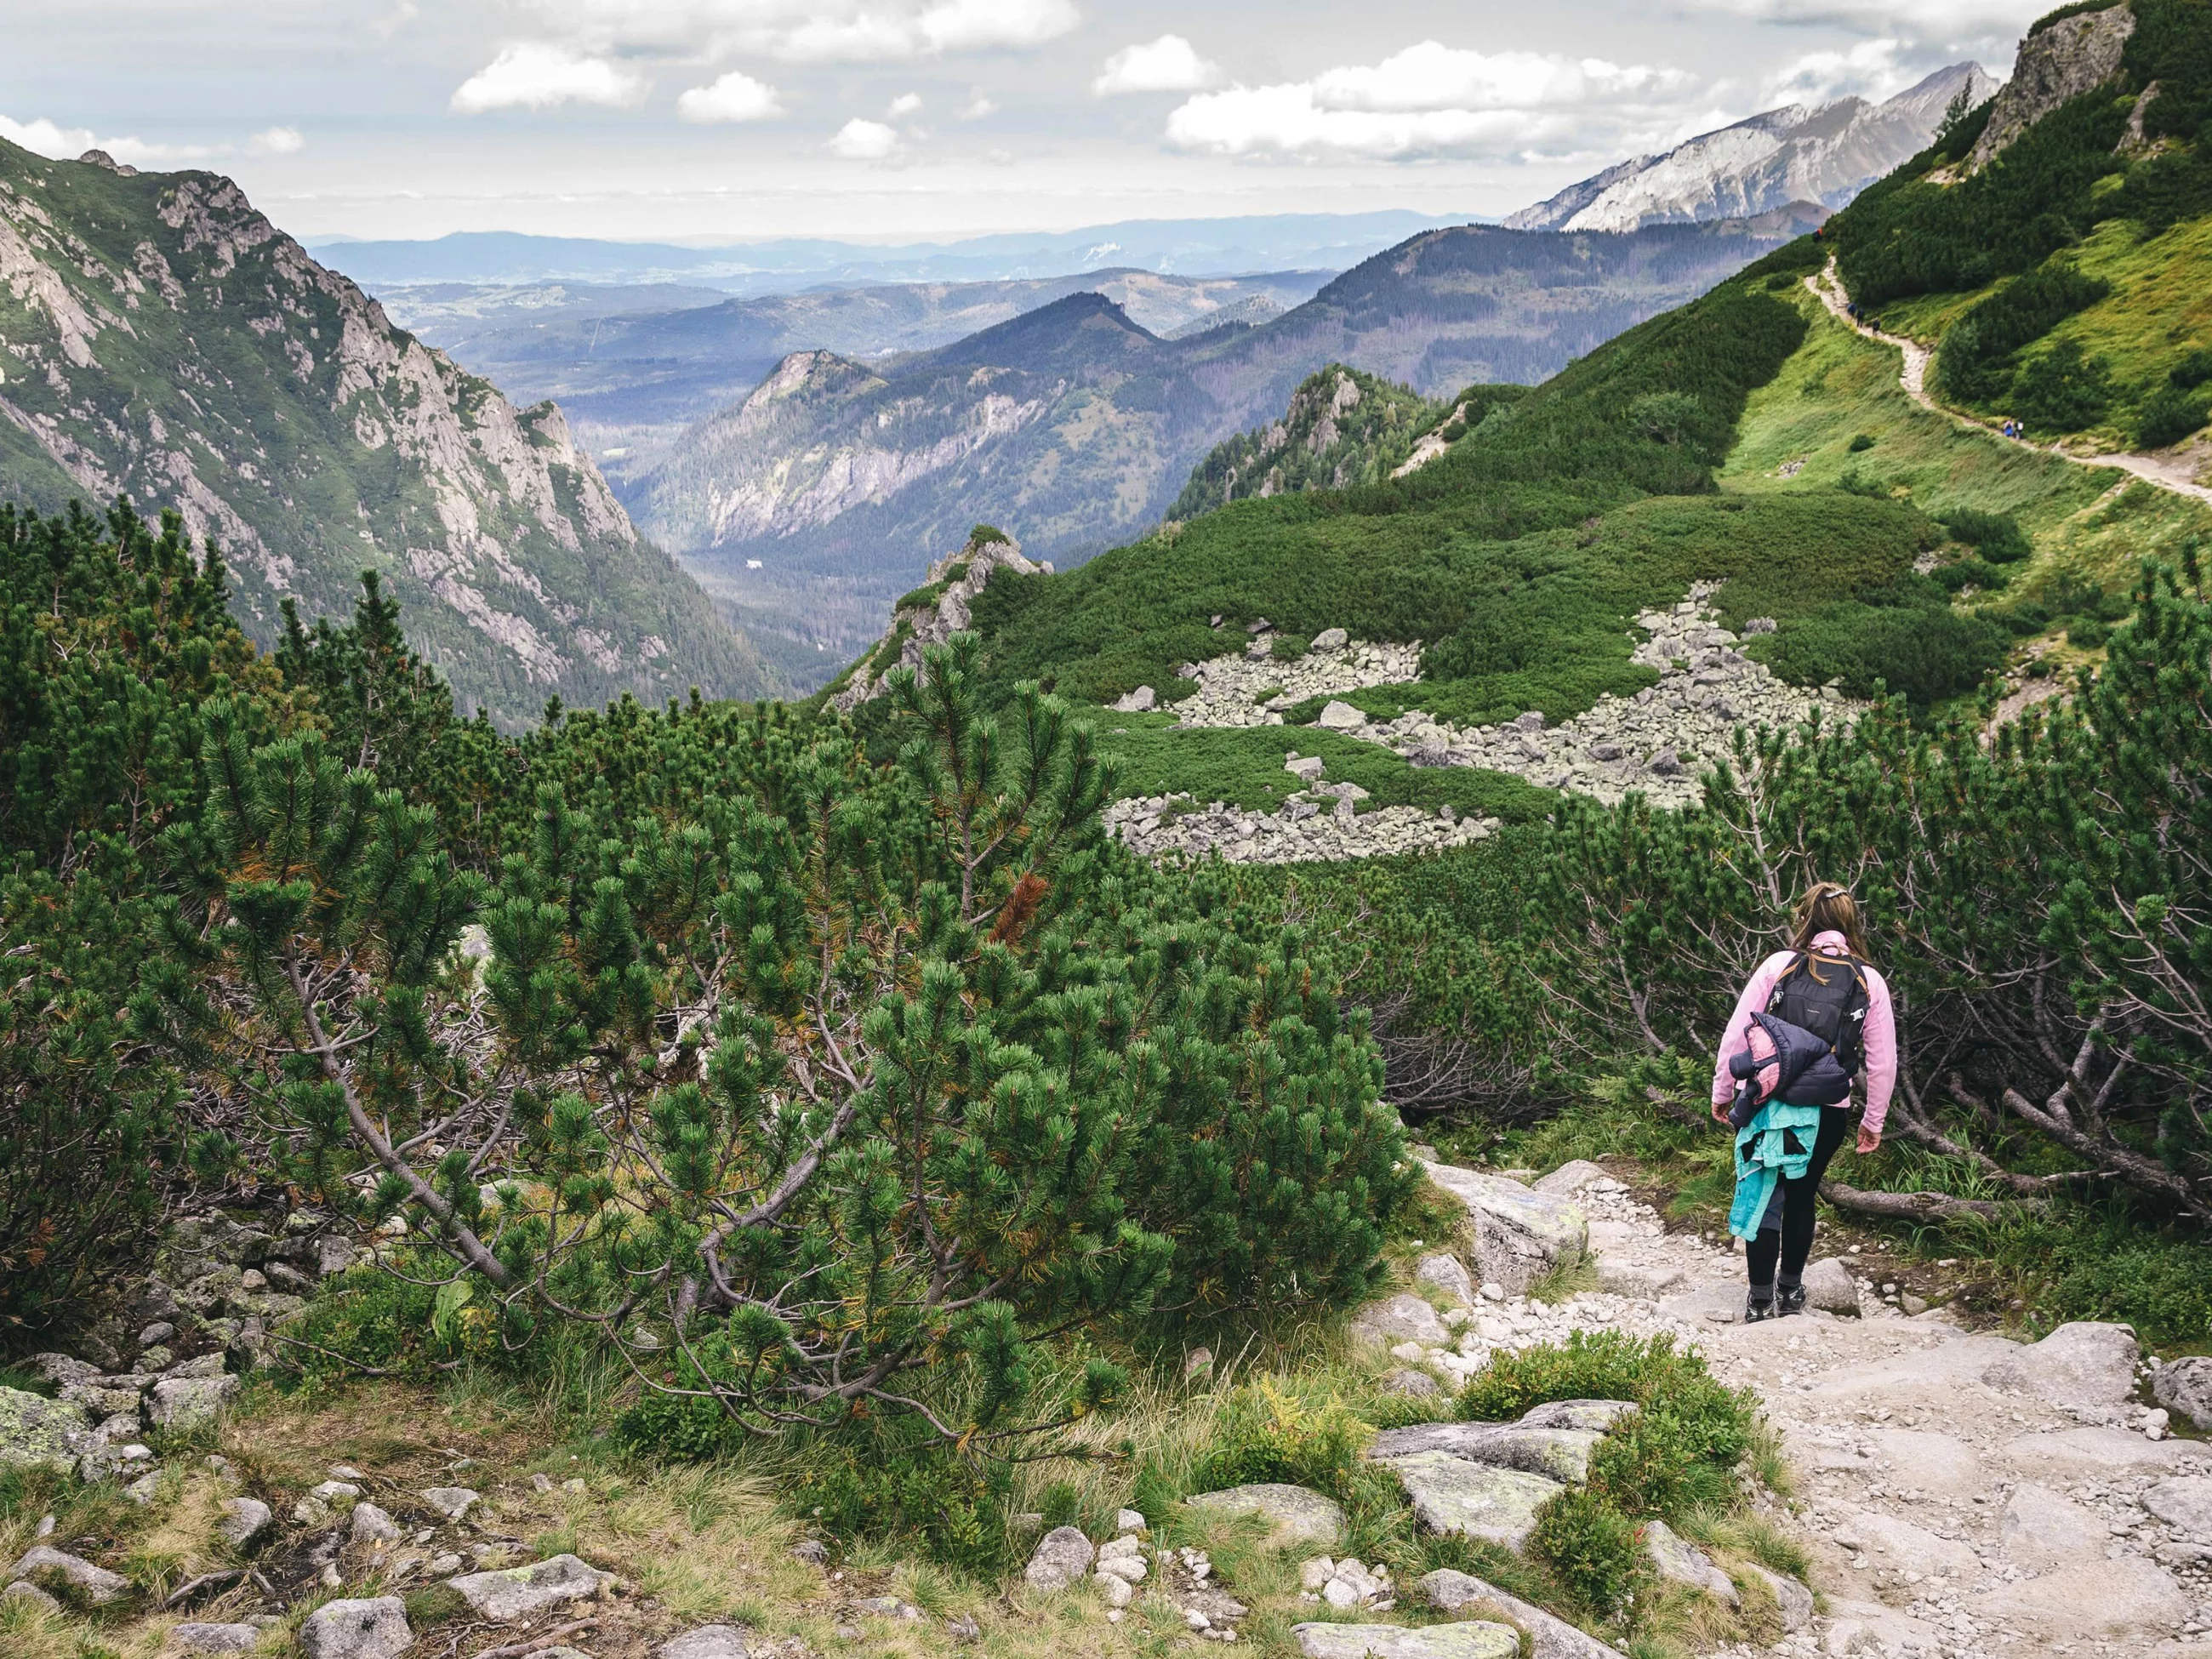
(2166, 471)
(1962, 1495)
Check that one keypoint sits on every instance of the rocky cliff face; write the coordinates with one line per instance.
(935, 611)
(1342, 428)
(164, 340)
(2055, 65)
(1822, 154)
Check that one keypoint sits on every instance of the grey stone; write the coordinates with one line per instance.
(1450, 1494)
(1476, 1639)
(1062, 1556)
(60, 1369)
(45, 1564)
(1330, 639)
(1305, 768)
(1337, 716)
(2041, 1528)
(367, 1629)
(1520, 1234)
(1549, 1637)
(1129, 1520)
(2185, 1503)
(708, 1642)
(451, 1501)
(1636, 1281)
(812, 1550)
(517, 1592)
(334, 1254)
(1790, 1596)
(1559, 1454)
(206, 1364)
(1678, 1559)
(189, 1402)
(2091, 1598)
(1414, 1385)
(23, 1590)
(36, 1432)
(243, 1520)
(160, 1331)
(1596, 1415)
(2184, 1386)
(2085, 1366)
(1403, 1318)
(371, 1525)
(1295, 1515)
(1447, 1273)
(215, 1638)
(1138, 702)
(1829, 1287)
(1571, 1178)
(141, 1491)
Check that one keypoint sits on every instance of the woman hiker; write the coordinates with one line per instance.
(1823, 984)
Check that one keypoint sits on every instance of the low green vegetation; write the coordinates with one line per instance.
(1343, 427)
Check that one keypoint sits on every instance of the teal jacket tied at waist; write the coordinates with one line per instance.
(1765, 1152)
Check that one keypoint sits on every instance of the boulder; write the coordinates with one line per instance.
(1295, 1515)
(1447, 1273)
(517, 1592)
(1678, 1559)
(1411, 1384)
(1790, 1596)
(243, 1520)
(2041, 1528)
(1403, 1318)
(1829, 1287)
(2085, 1367)
(1450, 1494)
(215, 1638)
(23, 1590)
(1341, 717)
(1549, 1637)
(36, 1432)
(1477, 1639)
(50, 1568)
(371, 1525)
(1062, 1556)
(1570, 1179)
(1138, 702)
(189, 1402)
(1560, 1454)
(1307, 768)
(60, 1369)
(1519, 1235)
(451, 1501)
(708, 1642)
(1596, 1415)
(2184, 1503)
(2184, 1387)
(368, 1629)
(1330, 639)
(2092, 1598)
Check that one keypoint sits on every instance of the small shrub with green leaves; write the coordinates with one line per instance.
(1267, 1434)
(1595, 1552)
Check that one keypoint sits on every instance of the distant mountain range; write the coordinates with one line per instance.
(164, 340)
(821, 497)
(1822, 154)
(631, 373)
(1185, 247)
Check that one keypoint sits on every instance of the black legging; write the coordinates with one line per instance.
(1793, 1242)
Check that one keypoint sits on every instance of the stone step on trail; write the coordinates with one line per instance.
(1470, 1639)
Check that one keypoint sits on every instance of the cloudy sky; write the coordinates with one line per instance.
(722, 119)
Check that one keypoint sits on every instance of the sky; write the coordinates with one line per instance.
(720, 120)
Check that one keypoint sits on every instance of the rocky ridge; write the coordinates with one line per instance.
(2054, 65)
(162, 338)
(934, 613)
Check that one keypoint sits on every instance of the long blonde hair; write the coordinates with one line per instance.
(1828, 905)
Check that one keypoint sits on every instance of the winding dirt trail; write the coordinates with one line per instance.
(2164, 471)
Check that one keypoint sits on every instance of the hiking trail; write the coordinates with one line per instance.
(2165, 472)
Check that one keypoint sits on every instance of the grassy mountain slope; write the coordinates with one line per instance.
(1342, 428)
(164, 340)
(1073, 428)
(2061, 276)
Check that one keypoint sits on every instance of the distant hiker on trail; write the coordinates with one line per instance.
(1812, 1018)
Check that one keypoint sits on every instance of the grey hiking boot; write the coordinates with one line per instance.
(1756, 1309)
(1789, 1299)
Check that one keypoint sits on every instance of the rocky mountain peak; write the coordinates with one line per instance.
(2055, 64)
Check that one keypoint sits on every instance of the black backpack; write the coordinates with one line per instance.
(1827, 996)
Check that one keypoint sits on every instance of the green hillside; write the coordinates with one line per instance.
(165, 341)
(1343, 428)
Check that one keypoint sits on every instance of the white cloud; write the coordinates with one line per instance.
(860, 140)
(905, 103)
(1170, 64)
(277, 141)
(806, 31)
(1920, 21)
(978, 105)
(537, 74)
(1871, 69)
(732, 97)
(50, 138)
(1425, 100)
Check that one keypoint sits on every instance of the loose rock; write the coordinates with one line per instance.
(1549, 1637)
(189, 1402)
(1296, 1515)
(451, 1501)
(1520, 1234)
(1450, 1494)
(1683, 1562)
(36, 1432)
(215, 1638)
(2184, 1386)
(1061, 1557)
(517, 1592)
(368, 1629)
(1478, 1639)
(43, 1562)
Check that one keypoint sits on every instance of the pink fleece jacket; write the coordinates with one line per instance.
(1879, 1072)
